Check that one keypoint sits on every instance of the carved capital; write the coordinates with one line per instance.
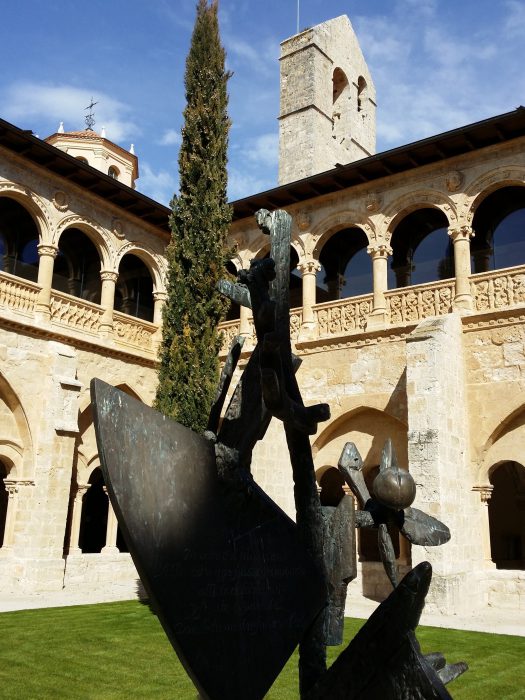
(108, 275)
(11, 487)
(485, 492)
(379, 250)
(48, 250)
(160, 296)
(81, 491)
(461, 233)
(309, 267)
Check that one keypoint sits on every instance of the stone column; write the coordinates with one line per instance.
(245, 315)
(159, 301)
(461, 238)
(76, 517)
(111, 529)
(9, 530)
(309, 270)
(107, 299)
(379, 254)
(485, 494)
(46, 263)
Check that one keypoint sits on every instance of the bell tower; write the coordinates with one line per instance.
(327, 101)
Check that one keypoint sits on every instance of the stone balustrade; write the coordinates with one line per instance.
(490, 291)
(76, 318)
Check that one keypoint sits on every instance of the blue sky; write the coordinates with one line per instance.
(436, 64)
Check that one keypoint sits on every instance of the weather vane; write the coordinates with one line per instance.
(90, 118)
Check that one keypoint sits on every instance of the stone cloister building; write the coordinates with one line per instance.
(408, 294)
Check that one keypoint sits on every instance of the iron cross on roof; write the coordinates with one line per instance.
(90, 117)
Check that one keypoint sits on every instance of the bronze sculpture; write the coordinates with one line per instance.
(235, 582)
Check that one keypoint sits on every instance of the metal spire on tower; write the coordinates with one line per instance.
(90, 117)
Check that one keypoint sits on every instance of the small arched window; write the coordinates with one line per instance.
(113, 172)
(361, 93)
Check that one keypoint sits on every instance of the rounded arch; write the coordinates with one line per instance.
(486, 184)
(368, 428)
(505, 442)
(499, 225)
(95, 233)
(346, 266)
(422, 250)
(148, 257)
(18, 451)
(33, 204)
(327, 227)
(397, 210)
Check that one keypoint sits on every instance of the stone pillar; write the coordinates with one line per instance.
(159, 301)
(438, 452)
(76, 517)
(461, 238)
(46, 263)
(245, 315)
(107, 299)
(485, 493)
(9, 530)
(309, 270)
(111, 529)
(379, 254)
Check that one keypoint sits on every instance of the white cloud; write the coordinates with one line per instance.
(243, 184)
(262, 150)
(171, 137)
(28, 100)
(160, 185)
(515, 21)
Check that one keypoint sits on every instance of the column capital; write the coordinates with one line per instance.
(81, 491)
(309, 267)
(11, 486)
(458, 233)
(485, 492)
(47, 249)
(108, 275)
(379, 250)
(160, 296)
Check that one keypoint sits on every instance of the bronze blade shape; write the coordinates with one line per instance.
(229, 579)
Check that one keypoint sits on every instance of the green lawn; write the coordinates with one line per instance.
(118, 650)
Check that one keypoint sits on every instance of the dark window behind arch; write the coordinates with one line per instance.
(499, 227)
(18, 240)
(77, 266)
(507, 516)
(4, 501)
(346, 266)
(422, 249)
(94, 518)
(134, 288)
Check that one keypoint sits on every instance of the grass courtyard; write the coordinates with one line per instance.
(118, 651)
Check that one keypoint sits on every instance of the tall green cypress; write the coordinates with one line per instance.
(199, 221)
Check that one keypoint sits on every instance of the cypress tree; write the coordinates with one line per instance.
(199, 222)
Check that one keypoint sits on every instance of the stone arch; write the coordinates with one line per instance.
(18, 448)
(150, 259)
(327, 227)
(505, 443)
(397, 210)
(94, 517)
(34, 205)
(497, 217)
(93, 231)
(368, 427)
(486, 184)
